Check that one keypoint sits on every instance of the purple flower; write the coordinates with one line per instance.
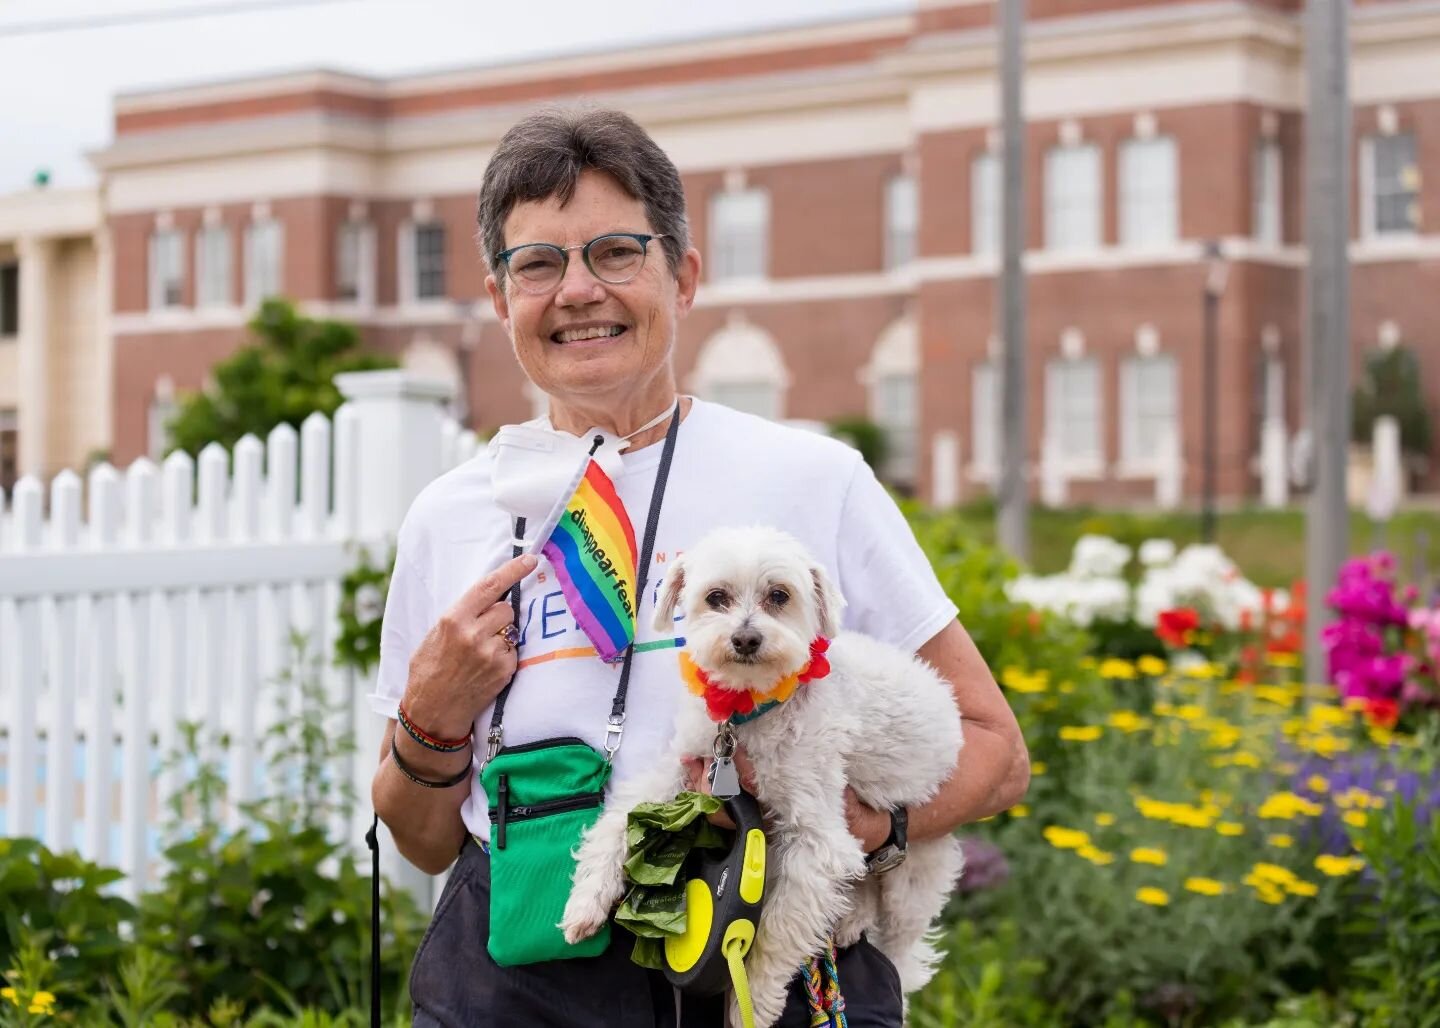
(985, 865)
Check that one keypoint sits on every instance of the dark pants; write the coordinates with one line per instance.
(455, 984)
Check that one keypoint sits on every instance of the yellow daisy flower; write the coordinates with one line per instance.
(1148, 855)
(1065, 838)
(1205, 886)
(1080, 733)
(1329, 864)
(1152, 896)
(1114, 667)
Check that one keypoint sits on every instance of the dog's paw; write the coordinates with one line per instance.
(584, 916)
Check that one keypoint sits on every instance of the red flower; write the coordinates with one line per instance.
(1382, 713)
(1174, 626)
(819, 665)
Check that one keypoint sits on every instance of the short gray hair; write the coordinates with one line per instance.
(543, 155)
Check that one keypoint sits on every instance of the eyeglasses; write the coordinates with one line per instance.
(615, 259)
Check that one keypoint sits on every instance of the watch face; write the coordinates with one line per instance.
(887, 858)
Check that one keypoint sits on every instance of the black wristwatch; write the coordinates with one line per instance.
(891, 853)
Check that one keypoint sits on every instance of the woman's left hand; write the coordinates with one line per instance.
(870, 826)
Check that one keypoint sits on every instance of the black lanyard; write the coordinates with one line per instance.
(615, 727)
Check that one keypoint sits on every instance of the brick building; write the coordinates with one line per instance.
(843, 190)
(54, 338)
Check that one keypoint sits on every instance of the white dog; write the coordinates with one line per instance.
(882, 722)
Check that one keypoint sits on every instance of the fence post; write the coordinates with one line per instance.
(399, 419)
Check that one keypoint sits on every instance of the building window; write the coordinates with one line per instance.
(739, 234)
(741, 367)
(902, 216)
(756, 396)
(161, 412)
(212, 277)
(9, 299)
(1072, 409)
(985, 419)
(1072, 198)
(167, 269)
(264, 261)
(1148, 190)
(985, 204)
(897, 410)
(429, 261)
(355, 261)
(1266, 215)
(1390, 179)
(1148, 395)
(9, 448)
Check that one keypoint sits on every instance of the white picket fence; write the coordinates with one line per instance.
(173, 596)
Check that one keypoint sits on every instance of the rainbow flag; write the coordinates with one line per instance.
(592, 551)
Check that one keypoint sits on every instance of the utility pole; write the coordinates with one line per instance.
(1327, 299)
(1013, 509)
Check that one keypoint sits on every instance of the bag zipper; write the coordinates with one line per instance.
(543, 744)
(504, 813)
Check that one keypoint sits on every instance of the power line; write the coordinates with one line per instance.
(35, 28)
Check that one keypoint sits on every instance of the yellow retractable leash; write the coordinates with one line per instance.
(723, 896)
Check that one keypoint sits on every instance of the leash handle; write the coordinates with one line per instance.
(734, 956)
(372, 839)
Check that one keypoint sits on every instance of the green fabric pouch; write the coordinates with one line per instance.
(543, 796)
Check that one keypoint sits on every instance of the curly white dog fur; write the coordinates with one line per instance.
(882, 721)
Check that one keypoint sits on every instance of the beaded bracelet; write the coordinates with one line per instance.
(429, 741)
(429, 783)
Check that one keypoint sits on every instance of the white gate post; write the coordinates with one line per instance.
(399, 422)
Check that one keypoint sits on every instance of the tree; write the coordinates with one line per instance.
(1391, 385)
(283, 378)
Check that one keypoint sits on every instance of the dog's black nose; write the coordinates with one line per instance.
(746, 642)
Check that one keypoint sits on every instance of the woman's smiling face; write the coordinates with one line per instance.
(587, 343)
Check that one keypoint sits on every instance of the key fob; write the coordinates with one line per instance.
(724, 779)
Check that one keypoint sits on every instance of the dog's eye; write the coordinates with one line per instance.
(779, 597)
(716, 598)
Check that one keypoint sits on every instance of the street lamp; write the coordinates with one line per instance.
(1216, 271)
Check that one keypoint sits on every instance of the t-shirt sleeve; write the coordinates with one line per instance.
(407, 619)
(890, 589)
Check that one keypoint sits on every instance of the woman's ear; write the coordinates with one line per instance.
(829, 604)
(670, 595)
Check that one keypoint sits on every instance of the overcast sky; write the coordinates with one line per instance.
(56, 86)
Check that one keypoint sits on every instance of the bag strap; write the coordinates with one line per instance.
(495, 719)
(615, 728)
(615, 724)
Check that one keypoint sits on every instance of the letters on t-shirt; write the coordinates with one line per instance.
(549, 616)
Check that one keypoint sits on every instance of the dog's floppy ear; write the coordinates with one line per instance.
(670, 595)
(828, 602)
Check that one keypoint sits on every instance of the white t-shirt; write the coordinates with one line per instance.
(729, 469)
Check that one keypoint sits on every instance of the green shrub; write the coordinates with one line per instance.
(60, 901)
(1399, 920)
(867, 437)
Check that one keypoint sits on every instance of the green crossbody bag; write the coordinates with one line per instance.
(544, 795)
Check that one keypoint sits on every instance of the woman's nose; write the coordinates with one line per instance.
(578, 286)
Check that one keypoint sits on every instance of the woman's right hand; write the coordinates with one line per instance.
(464, 662)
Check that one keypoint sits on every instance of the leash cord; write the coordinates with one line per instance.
(822, 988)
(734, 956)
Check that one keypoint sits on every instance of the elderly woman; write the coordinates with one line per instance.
(582, 219)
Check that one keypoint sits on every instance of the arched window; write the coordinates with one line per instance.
(741, 367)
(893, 376)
